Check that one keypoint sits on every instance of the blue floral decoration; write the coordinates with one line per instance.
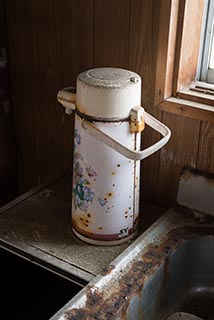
(77, 138)
(102, 202)
(83, 193)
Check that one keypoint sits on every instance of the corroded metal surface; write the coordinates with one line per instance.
(37, 226)
(113, 295)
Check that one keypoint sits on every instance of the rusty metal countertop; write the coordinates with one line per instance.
(37, 226)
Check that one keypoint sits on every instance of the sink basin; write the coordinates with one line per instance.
(168, 269)
(183, 283)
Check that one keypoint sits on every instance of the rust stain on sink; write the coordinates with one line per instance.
(132, 281)
(107, 270)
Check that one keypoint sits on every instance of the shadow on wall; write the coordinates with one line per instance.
(7, 144)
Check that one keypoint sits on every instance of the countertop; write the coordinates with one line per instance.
(37, 226)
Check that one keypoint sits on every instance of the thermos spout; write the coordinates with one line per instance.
(67, 97)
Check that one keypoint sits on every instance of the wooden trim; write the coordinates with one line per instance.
(188, 109)
(168, 12)
(171, 49)
(201, 84)
(205, 157)
(195, 96)
(188, 41)
(179, 34)
(178, 45)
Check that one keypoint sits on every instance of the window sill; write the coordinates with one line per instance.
(188, 108)
(198, 91)
(194, 96)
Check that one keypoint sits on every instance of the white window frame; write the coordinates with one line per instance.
(204, 72)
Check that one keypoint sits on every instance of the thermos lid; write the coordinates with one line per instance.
(108, 93)
(109, 77)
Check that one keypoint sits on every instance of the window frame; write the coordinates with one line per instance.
(204, 72)
(181, 59)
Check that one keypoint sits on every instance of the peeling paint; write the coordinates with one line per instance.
(196, 191)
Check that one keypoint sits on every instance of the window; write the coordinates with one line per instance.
(205, 70)
(183, 92)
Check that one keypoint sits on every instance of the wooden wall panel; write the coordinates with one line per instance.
(164, 62)
(8, 174)
(205, 160)
(50, 43)
(77, 56)
(180, 151)
(21, 71)
(35, 57)
(142, 59)
(8, 187)
(6, 117)
(143, 45)
(111, 30)
(46, 33)
(77, 38)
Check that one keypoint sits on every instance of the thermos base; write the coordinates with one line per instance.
(104, 242)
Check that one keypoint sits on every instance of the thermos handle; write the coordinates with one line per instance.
(129, 153)
(67, 97)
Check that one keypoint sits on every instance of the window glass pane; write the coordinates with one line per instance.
(206, 55)
(211, 64)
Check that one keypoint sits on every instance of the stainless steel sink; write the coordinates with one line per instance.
(168, 269)
(183, 283)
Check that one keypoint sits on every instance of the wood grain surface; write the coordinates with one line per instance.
(50, 42)
(8, 182)
(77, 55)
(34, 43)
(179, 152)
(111, 33)
(205, 159)
(8, 173)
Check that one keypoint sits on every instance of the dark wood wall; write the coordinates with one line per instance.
(50, 42)
(7, 139)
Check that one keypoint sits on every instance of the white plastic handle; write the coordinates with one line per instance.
(67, 98)
(128, 153)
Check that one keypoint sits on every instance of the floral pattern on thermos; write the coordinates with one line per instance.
(82, 191)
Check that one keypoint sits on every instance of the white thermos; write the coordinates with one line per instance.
(109, 120)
